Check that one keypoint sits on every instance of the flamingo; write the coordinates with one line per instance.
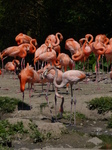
(18, 51)
(108, 52)
(22, 38)
(79, 55)
(87, 48)
(49, 78)
(65, 61)
(29, 75)
(70, 76)
(39, 51)
(49, 57)
(53, 41)
(11, 66)
(98, 48)
(13, 51)
(72, 45)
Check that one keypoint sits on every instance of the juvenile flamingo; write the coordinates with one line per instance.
(12, 66)
(72, 77)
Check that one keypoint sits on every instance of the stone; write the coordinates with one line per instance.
(95, 141)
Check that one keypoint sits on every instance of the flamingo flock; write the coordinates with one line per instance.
(54, 67)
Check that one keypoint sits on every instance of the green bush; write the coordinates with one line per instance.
(8, 105)
(7, 131)
(102, 104)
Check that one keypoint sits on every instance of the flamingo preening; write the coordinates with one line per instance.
(53, 41)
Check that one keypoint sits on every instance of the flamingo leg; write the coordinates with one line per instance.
(71, 104)
(74, 107)
(30, 91)
(46, 97)
(35, 67)
(61, 107)
(102, 64)
(74, 65)
(60, 96)
(56, 107)
(22, 63)
(97, 72)
(23, 101)
(2, 68)
(38, 64)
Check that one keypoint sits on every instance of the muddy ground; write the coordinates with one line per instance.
(72, 137)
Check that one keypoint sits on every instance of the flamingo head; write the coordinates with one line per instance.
(22, 82)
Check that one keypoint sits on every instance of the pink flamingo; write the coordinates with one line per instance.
(49, 57)
(49, 76)
(65, 61)
(98, 48)
(72, 45)
(108, 52)
(22, 38)
(39, 51)
(11, 66)
(79, 55)
(53, 41)
(72, 77)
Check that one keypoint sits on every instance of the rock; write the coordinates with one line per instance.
(95, 141)
(55, 129)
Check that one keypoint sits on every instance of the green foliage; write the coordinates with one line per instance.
(7, 131)
(107, 141)
(79, 116)
(5, 148)
(8, 105)
(35, 134)
(102, 104)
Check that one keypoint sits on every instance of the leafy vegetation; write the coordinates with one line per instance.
(102, 104)
(35, 134)
(7, 131)
(8, 105)
(79, 116)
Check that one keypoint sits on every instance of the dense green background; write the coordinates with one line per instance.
(39, 18)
